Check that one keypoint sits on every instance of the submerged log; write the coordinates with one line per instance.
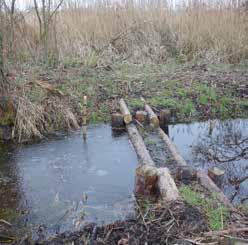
(124, 110)
(117, 120)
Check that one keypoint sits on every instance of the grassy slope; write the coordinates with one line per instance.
(191, 92)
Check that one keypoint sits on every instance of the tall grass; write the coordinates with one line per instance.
(103, 33)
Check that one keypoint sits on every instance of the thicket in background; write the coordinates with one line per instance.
(103, 32)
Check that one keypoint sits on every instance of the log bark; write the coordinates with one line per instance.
(124, 110)
(172, 148)
(139, 146)
(154, 182)
(146, 162)
(146, 180)
(166, 185)
(151, 115)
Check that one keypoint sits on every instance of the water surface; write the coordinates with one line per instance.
(63, 183)
(200, 143)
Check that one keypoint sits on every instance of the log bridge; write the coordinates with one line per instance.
(153, 181)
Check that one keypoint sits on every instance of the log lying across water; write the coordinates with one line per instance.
(151, 115)
(124, 110)
(202, 177)
(148, 177)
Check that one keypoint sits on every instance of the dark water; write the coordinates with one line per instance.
(217, 143)
(63, 183)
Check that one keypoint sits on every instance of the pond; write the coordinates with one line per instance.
(62, 183)
(223, 144)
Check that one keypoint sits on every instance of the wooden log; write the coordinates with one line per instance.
(146, 160)
(117, 120)
(166, 185)
(141, 116)
(202, 177)
(146, 179)
(217, 175)
(154, 182)
(139, 146)
(124, 110)
(172, 148)
(164, 117)
(85, 118)
(151, 115)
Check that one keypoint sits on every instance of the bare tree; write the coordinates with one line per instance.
(45, 14)
(3, 81)
(10, 10)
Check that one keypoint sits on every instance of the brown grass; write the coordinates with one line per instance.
(104, 34)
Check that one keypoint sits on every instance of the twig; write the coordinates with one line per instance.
(5, 222)
(226, 232)
(93, 236)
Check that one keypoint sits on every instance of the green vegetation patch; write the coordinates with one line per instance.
(216, 214)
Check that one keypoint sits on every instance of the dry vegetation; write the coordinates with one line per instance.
(65, 34)
(103, 33)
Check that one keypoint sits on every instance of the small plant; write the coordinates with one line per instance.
(150, 141)
(191, 197)
(216, 215)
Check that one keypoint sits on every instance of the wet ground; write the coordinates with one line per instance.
(63, 183)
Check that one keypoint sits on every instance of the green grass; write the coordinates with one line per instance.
(188, 100)
(216, 214)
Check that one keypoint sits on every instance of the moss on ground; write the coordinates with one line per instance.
(217, 215)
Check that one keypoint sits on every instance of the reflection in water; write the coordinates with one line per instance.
(62, 183)
(217, 143)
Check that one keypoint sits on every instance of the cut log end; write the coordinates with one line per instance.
(127, 119)
(117, 120)
(141, 116)
(154, 121)
(124, 110)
